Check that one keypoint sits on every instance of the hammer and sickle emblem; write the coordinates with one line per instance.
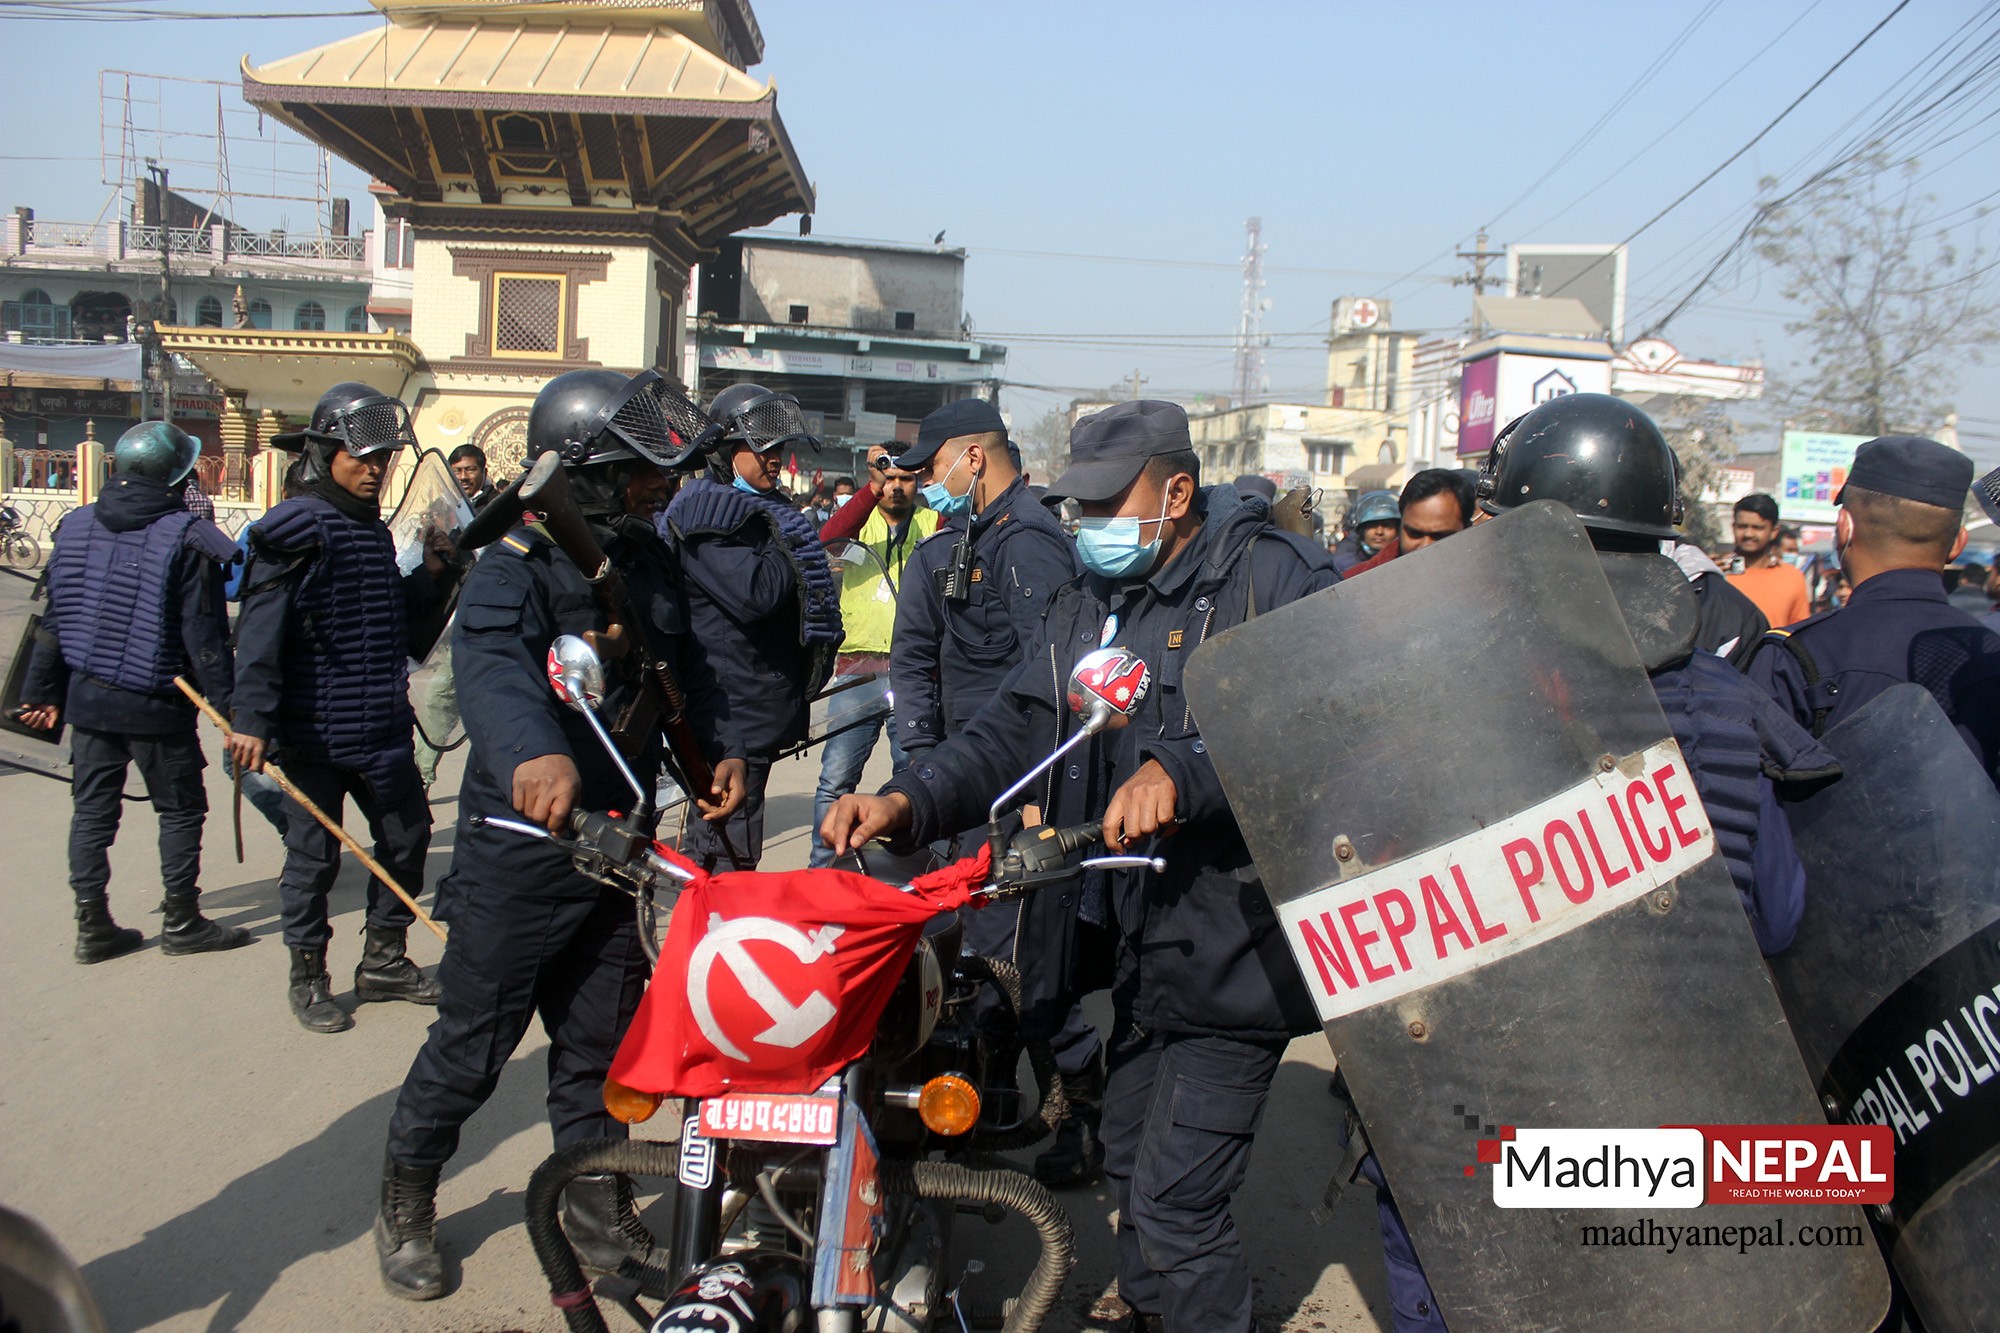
(792, 1025)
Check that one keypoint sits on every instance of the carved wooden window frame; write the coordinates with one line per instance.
(494, 289)
(485, 266)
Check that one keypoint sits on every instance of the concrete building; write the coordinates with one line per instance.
(1355, 441)
(870, 337)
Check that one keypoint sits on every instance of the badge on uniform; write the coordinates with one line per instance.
(1108, 633)
(1174, 638)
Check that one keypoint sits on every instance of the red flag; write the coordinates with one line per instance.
(793, 465)
(774, 982)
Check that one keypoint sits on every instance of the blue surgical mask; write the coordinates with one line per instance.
(1111, 546)
(942, 500)
(740, 484)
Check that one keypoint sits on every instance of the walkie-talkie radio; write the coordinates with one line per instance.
(954, 581)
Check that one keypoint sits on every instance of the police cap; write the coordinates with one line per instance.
(1108, 449)
(1913, 468)
(1252, 484)
(967, 416)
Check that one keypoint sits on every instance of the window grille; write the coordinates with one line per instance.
(527, 315)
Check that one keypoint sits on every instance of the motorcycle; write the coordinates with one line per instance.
(16, 546)
(837, 1203)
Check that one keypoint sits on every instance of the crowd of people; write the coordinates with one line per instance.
(973, 593)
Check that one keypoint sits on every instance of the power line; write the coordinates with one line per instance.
(1755, 139)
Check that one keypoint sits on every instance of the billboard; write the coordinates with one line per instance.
(1503, 385)
(1594, 274)
(1812, 469)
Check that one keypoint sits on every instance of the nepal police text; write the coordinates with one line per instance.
(1625, 832)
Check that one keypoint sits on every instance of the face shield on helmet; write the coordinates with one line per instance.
(645, 418)
(753, 415)
(366, 426)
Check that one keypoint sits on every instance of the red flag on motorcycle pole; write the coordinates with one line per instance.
(775, 982)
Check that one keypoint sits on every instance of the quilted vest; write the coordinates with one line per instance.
(113, 600)
(1716, 727)
(346, 653)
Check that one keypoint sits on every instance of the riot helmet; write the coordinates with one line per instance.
(601, 416)
(1375, 507)
(753, 415)
(158, 450)
(353, 418)
(1599, 455)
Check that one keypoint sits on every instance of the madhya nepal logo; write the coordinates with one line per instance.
(1687, 1166)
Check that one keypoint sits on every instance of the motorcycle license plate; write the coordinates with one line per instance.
(772, 1117)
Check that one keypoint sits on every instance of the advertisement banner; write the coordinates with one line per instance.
(1478, 405)
(787, 361)
(1812, 469)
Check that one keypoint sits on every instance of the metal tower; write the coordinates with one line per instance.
(1250, 381)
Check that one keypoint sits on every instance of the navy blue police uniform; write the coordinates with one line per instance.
(970, 609)
(1205, 993)
(765, 604)
(1896, 626)
(322, 674)
(135, 599)
(529, 933)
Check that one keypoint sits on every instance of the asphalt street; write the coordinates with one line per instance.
(212, 1166)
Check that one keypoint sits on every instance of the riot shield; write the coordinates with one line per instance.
(432, 500)
(1497, 881)
(1893, 986)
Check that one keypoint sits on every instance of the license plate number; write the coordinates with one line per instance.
(772, 1118)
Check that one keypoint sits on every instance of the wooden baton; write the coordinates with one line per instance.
(305, 802)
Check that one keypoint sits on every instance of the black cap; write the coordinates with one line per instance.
(1911, 467)
(1252, 484)
(1108, 449)
(967, 416)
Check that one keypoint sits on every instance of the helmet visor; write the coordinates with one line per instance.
(372, 426)
(770, 422)
(649, 419)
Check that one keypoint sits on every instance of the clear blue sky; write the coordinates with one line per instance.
(1371, 139)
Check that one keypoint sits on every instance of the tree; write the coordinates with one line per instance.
(1893, 308)
(1703, 436)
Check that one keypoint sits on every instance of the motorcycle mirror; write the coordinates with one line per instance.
(576, 673)
(1107, 687)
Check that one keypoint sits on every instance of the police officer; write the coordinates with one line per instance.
(529, 933)
(1900, 523)
(322, 675)
(1610, 463)
(971, 609)
(764, 599)
(135, 599)
(1206, 993)
(873, 570)
(1372, 526)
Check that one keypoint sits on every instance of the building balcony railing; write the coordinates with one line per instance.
(219, 243)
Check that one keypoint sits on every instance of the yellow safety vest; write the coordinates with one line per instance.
(867, 604)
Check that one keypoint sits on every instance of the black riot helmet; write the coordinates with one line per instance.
(601, 416)
(353, 418)
(158, 450)
(751, 414)
(1599, 455)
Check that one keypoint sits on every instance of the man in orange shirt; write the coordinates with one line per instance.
(1778, 589)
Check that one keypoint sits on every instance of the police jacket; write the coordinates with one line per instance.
(1897, 626)
(1348, 555)
(763, 602)
(1199, 949)
(135, 599)
(1743, 753)
(519, 597)
(1729, 620)
(323, 642)
(951, 653)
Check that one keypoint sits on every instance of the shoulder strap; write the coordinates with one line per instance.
(1815, 696)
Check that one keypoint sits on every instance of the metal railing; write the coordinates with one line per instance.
(277, 245)
(180, 240)
(122, 241)
(43, 470)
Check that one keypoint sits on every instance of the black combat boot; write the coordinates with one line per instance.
(386, 972)
(603, 1225)
(98, 937)
(1077, 1155)
(188, 931)
(406, 1232)
(312, 994)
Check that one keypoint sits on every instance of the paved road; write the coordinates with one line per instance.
(212, 1166)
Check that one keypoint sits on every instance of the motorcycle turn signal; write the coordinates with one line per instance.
(629, 1105)
(948, 1105)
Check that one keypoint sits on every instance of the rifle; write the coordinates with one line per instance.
(660, 702)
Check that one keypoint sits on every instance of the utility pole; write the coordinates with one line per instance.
(1250, 339)
(1479, 257)
(1135, 379)
(163, 362)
